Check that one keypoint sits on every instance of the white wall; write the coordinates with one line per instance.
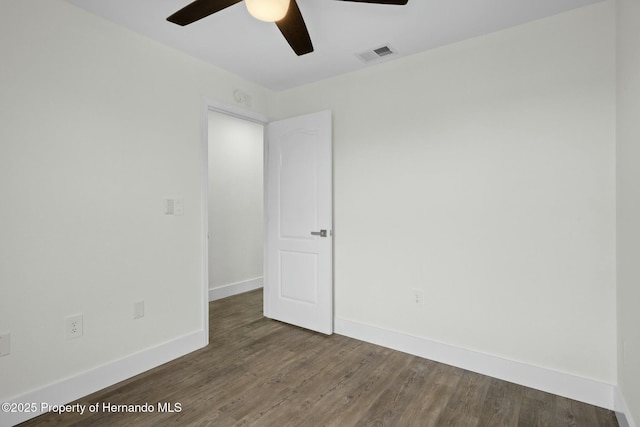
(628, 174)
(483, 174)
(235, 200)
(99, 125)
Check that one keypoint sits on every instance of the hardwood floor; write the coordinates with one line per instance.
(259, 372)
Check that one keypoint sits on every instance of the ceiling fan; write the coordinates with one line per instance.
(285, 14)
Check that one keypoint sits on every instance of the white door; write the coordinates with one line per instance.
(298, 286)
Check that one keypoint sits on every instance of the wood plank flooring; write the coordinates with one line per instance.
(259, 372)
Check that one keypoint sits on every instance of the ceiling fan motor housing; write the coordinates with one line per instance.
(267, 10)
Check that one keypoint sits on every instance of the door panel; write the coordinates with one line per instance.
(298, 264)
(297, 268)
(298, 179)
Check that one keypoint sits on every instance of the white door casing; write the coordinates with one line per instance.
(298, 286)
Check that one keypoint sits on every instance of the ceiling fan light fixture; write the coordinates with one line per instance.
(267, 10)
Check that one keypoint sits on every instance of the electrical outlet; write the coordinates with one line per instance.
(418, 297)
(5, 344)
(138, 309)
(73, 326)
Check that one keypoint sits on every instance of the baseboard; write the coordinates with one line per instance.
(562, 384)
(85, 383)
(622, 410)
(234, 289)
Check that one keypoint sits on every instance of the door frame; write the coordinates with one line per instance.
(210, 105)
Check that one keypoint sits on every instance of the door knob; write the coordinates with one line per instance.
(321, 233)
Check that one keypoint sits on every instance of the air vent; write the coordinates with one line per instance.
(377, 53)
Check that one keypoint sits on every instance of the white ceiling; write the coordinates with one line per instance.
(231, 39)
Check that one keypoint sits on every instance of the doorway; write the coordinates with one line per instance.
(297, 195)
(235, 191)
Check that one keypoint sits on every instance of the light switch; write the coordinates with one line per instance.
(174, 207)
(178, 207)
(169, 206)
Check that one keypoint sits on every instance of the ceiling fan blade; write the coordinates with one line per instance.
(294, 29)
(199, 9)
(396, 2)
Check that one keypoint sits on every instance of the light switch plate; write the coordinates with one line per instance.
(174, 207)
(169, 206)
(178, 207)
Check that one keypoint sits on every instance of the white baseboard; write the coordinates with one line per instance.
(562, 384)
(85, 383)
(622, 410)
(234, 289)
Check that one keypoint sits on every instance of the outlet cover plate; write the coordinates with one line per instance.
(138, 309)
(418, 297)
(73, 326)
(5, 344)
